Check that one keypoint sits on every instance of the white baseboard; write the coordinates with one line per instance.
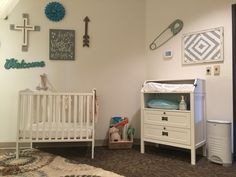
(100, 142)
(12, 145)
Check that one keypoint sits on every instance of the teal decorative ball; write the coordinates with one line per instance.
(55, 11)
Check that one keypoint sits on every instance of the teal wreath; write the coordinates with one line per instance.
(55, 11)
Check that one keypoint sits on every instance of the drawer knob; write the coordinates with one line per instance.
(164, 128)
(164, 118)
(164, 133)
(164, 112)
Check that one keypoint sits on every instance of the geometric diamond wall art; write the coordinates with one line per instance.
(203, 46)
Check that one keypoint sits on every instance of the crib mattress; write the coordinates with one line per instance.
(56, 131)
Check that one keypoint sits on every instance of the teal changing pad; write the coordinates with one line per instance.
(162, 104)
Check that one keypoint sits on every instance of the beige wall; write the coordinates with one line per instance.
(114, 64)
(197, 15)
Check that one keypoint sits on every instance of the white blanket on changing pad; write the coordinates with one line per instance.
(158, 87)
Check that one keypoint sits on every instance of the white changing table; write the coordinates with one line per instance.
(183, 129)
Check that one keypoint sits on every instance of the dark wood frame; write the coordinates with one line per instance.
(61, 54)
(234, 74)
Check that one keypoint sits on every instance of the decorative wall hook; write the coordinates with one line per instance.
(175, 27)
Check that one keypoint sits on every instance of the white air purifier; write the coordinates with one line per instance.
(219, 142)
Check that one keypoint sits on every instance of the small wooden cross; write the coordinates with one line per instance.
(25, 28)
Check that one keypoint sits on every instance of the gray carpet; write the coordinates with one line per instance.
(156, 162)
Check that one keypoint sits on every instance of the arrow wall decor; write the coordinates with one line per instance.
(86, 36)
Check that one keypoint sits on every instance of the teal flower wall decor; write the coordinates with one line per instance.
(55, 11)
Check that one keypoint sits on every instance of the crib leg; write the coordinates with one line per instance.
(31, 145)
(17, 150)
(93, 149)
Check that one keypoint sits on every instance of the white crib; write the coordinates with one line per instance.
(55, 117)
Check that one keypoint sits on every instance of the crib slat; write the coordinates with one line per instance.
(87, 117)
(93, 116)
(63, 115)
(31, 113)
(59, 120)
(19, 115)
(81, 112)
(51, 115)
(58, 115)
(54, 115)
(23, 117)
(50, 118)
(44, 112)
(69, 118)
(26, 116)
(75, 115)
(28, 121)
(37, 116)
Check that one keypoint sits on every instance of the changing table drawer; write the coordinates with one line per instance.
(167, 118)
(168, 134)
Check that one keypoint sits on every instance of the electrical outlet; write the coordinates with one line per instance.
(217, 70)
(208, 70)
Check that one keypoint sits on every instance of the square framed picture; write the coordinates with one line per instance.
(61, 44)
(203, 46)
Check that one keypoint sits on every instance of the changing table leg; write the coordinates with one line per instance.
(193, 156)
(142, 147)
(93, 149)
(204, 150)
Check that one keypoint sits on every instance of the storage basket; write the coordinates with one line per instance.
(120, 144)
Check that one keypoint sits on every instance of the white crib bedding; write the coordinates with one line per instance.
(159, 87)
(57, 131)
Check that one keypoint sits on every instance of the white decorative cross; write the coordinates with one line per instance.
(25, 28)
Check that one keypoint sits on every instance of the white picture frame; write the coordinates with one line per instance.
(203, 46)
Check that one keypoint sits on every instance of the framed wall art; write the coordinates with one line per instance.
(203, 46)
(61, 44)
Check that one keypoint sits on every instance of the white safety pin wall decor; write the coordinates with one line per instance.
(25, 28)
